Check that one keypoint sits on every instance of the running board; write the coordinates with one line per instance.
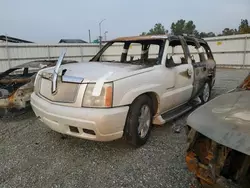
(173, 114)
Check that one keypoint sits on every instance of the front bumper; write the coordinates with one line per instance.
(87, 123)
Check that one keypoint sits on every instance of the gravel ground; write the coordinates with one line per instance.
(32, 155)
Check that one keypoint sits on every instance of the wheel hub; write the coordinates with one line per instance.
(206, 92)
(144, 121)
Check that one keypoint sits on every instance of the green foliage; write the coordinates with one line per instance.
(188, 27)
(204, 34)
(157, 30)
(183, 27)
(228, 31)
(244, 27)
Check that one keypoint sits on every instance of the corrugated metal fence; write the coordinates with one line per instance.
(16, 54)
(229, 51)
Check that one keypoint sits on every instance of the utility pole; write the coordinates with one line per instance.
(105, 35)
(89, 36)
(100, 30)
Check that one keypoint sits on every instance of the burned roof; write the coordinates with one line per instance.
(156, 37)
(144, 37)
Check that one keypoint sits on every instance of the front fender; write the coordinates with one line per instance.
(132, 94)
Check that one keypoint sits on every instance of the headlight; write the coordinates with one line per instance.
(105, 99)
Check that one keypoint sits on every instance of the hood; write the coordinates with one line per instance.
(226, 120)
(93, 71)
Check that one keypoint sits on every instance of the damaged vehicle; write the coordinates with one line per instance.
(130, 84)
(219, 141)
(17, 84)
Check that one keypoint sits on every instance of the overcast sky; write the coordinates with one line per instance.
(48, 21)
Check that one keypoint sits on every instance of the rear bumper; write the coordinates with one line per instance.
(88, 123)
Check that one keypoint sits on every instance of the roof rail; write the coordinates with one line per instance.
(191, 35)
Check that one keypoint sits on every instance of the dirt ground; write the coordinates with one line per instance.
(32, 155)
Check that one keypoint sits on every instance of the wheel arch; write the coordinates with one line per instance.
(154, 98)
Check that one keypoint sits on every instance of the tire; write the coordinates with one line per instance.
(135, 133)
(206, 93)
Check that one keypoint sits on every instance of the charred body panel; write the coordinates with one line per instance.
(17, 84)
(226, 120)
(213, 163)
(219, 141)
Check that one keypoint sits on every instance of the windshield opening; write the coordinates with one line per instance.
(136, 52)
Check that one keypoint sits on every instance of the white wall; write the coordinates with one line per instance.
(232, 51)
(16, 54)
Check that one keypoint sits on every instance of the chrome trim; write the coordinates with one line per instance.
(72, 79)
(56, 70)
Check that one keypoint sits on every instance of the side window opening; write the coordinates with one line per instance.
(207, 51)
(112, 53)
(153, 51)
(204, 52)
(134, 52)
(176, 53)
(194, 53)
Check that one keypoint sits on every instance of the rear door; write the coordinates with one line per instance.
(199, 65)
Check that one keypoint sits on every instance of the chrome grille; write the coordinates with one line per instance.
(66, 92)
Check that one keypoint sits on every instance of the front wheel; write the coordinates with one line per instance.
(206, 93)
(139, 121)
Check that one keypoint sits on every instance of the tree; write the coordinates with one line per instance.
(183, 27)
(157, 30)
(244, 27)
(196, 33)
(228, 31)
(209, 34)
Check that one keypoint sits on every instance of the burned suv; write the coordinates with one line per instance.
(129, 85)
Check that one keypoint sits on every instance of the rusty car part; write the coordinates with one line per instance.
(19, 80)
(212, 162)
(218, 136)
(246, 83)
(17, 84)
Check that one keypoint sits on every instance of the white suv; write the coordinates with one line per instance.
(130, 84)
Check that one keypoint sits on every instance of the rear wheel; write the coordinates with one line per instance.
(139, 121)
(206, 93)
